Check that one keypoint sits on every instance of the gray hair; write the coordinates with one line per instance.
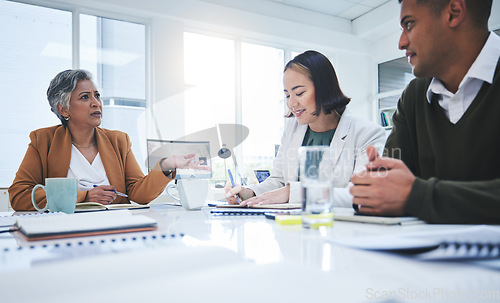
(61, 87)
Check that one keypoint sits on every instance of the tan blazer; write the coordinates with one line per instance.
(49, 156)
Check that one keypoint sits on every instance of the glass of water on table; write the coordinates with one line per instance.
(316, 172)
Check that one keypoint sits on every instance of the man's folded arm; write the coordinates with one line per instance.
(466, 202)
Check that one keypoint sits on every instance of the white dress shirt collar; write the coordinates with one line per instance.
(482, 68)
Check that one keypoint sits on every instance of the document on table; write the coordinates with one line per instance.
(10, 219)
(83, 224)
(348, 214)
(244, 210)
(462, 243)
(249, 211)
(264, 206)
(95, 206)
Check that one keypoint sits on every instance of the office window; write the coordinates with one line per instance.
(36, 45)
(209, 75)
(210, 81)
(229, 82)
(393, 76)
(114, 52)
(263, 107)
(294, 54)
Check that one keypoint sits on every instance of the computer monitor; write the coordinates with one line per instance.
(159, 149)
(261, 174)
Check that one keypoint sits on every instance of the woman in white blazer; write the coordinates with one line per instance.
(318, 116)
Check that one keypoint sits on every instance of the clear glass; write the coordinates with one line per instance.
(316, 170)
(114, 52)
(36, 45)
(263, 107)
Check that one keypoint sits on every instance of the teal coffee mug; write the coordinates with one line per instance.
(61, 194)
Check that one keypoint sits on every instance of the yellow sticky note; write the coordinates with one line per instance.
(288, 219)
(318, 220)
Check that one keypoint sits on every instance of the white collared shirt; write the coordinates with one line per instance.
(87, 174)
(482, 70)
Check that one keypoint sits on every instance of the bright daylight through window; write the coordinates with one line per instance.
(37, 44)
(229, 82)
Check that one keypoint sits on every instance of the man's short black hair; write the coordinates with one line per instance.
(479, 10)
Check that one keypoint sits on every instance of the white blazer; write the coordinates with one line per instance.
(349, 143)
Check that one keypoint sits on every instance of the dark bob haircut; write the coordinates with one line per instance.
(319, 69)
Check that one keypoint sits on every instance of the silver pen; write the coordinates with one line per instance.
(116, 192)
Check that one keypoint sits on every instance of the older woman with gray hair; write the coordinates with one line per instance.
(101, 159)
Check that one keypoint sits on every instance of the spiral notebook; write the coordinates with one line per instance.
(17, 255)
(469, 243)
(83, 224)
(244, 210)
(7, 219)
(250, 211)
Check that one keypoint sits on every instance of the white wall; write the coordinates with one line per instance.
(356, 77)
(385, 37)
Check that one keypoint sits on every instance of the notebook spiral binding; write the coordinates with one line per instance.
(115, 243)
(236, 213)
(462, 251)
(15, 257)
(249, 212)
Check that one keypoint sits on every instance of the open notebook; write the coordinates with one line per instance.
(84, 224)
(95, 206)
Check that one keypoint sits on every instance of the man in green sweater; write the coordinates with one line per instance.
(443, 155)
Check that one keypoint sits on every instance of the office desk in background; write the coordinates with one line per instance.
(195, 256)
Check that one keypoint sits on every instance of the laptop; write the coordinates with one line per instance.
(261, 174)
(159, 149)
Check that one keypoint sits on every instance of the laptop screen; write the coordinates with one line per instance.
(159, 149)
(261, 174)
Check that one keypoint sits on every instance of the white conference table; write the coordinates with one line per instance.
(197, 256)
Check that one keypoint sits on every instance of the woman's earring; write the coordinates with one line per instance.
(67, 118)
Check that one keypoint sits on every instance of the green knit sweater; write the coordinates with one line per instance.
(457, 165)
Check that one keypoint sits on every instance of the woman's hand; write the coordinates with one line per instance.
(281, 195)
(104, 194)
(178, 161)
(243, 192)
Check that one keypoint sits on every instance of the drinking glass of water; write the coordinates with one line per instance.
(316, 171)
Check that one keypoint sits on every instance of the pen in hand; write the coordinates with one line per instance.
(232, 183)
(116, 192)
